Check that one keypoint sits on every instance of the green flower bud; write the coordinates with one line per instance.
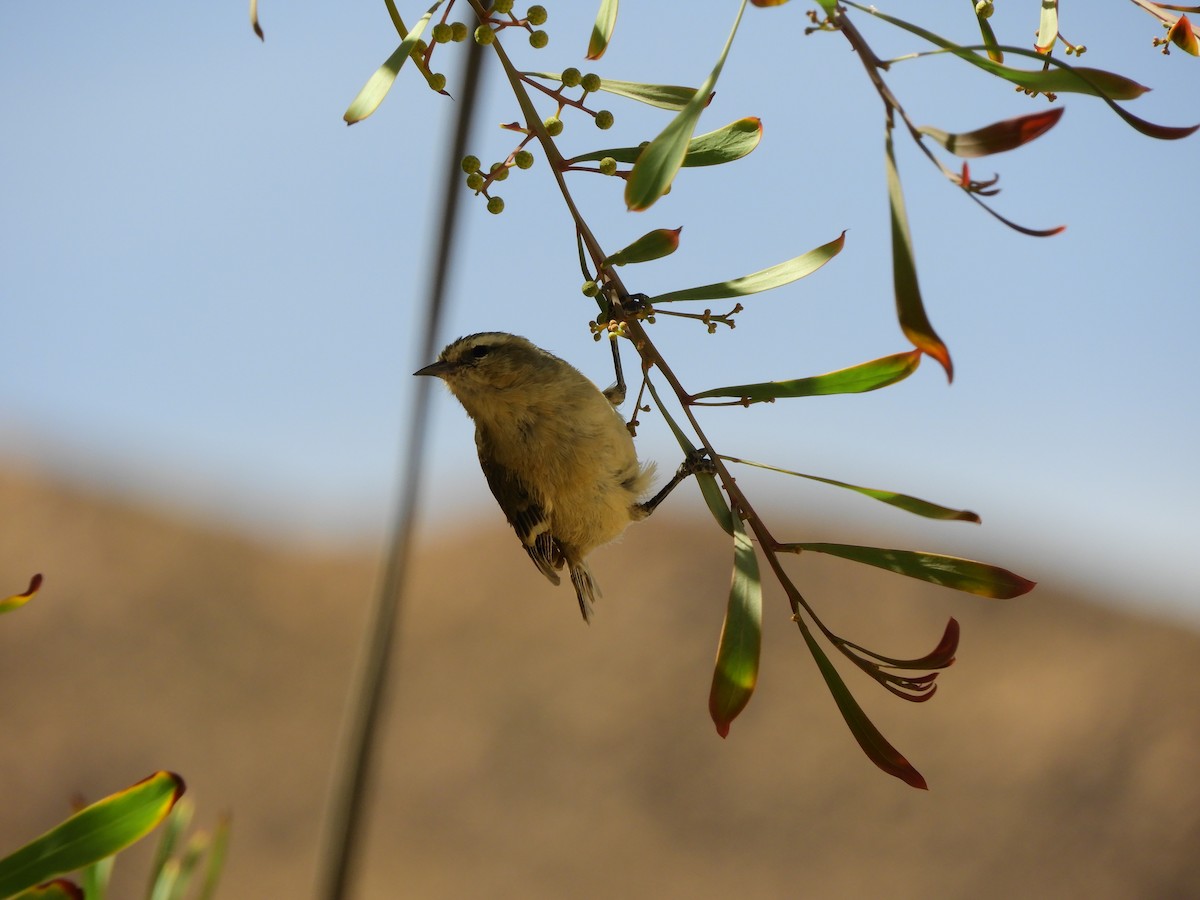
(591, 82)
(441, 33)
(499, 171)
(495, 206)
(604, 120)
(471, 164)
(502, 6)
(523, 159)
(537, 15)
(437, 81)
(484, 35)
(571, 77)
(590, 289)
(554, 126)
(475, 181)
(459, 31)
(608, 166)
(538, 40)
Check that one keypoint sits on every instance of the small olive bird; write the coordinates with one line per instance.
(555, 451)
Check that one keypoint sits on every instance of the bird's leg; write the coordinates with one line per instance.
(616, 393)
(697, 461)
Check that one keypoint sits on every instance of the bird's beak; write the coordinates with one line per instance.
(438, 368)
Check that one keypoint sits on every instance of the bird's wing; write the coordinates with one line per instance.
(525, 515)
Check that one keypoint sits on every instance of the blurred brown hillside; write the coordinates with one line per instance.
(531, 756)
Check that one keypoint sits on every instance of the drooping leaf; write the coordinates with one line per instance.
(652, 245)
(892, 498)
(96, 831)
(736, 671)
(16, 601)
(762, 280)
(997, 137)
(868, 376)
(910, 309)
(1048, 27)
(726, 144)
(381, 82)
(1183, 36)
(709, 488)
(989, 36)
(658, 164)
(869, 738)
(948, 571)
(602, 30)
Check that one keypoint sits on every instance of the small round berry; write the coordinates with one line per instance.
(604, 120)
(571, 77)
(538, 40)
(608, 166)
(459, 31)
(495, 205)
(484, 35)
(523, 159)
(590, 289)
(471, 164)
(499, 171)
(590, 82)
(554, 126)
(475, 181)
(502, 6)
(437, 81)
(441, 33)
(537, 15)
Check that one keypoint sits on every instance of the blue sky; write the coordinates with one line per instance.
(210, 286)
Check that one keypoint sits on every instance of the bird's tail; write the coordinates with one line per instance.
(585, 587)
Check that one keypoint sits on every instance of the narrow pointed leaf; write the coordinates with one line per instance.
(96, 831)
(1048, 27)
(736, 671)
(58, 889)
(762, 280)
(900, 501)
(651, 245)
(869, 738)
(217, 851)
(602, 30)
(381, 82)
(989, 38)
(868, 376)
(16, 601)
(997, 137)
(1183, 36)
(662, 96)
(948, 571)
(726, 144)
(909, 307)
(709, 488)
(658, 164)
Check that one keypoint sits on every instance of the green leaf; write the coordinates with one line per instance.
(997, 137)
(709, 488)
(989, 38)
(381, 82)
(736, 671)
(869, 738)
(900, 501)
(97, 831)
(948, 571)
(868, 376)
(762, 280)
(650, 246)
(730, 142)
(909, 307)
(602, 31)
(662, 96)
(16, 601)
(656, 167)
(58, 889)
(217, 849)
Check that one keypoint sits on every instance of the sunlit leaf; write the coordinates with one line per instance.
(602, 30)
(16, 601)
(873, 743)
(1183, 36)
(726, 144)
(762, 280)
(96, 831)
(900, 501)
(658, 164)
(651, 245)
(662, 96)
(254, 20)
(736, 671)
(997, 137)
(868, 376)
(910, 309)
(381, 82)
(1048, 27)
(948, 571)
(709, 488)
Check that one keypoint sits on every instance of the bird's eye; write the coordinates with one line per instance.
(480, 351)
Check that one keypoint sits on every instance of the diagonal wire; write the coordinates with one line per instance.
(343, 842)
